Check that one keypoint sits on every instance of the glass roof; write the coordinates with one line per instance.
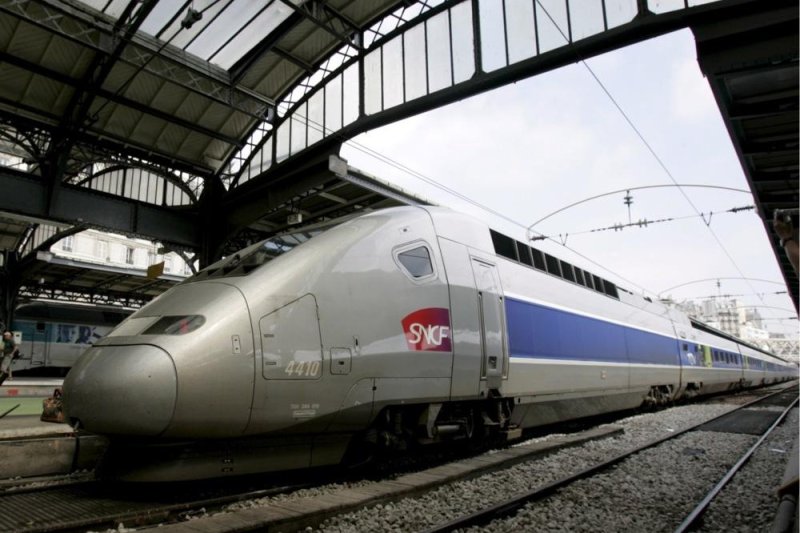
(218, 31)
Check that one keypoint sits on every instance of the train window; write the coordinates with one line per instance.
(175, 325)
(610, 289)
(504, 245)
(598, 283)
(552, 265)
(251, 258)
(579, 276)
(567, 272)
(685, 347)
(587, 276)
(538, 259)
(40, 326)
(417, 262)
(524, 254)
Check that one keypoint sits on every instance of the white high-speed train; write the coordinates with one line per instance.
(402, 326)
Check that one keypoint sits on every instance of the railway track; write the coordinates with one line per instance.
(508, 507)
(30, 509)
(79, 506)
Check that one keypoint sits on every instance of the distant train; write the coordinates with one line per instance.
(54, 335)
(401, 327)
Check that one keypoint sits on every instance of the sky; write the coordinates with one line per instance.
(531, 148)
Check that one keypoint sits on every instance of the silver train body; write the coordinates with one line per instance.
(403, 325)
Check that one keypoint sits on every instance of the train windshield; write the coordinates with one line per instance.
(245, 261)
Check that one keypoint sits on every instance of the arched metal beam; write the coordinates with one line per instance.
(399, 75)
(174, 226)
(149, 168)
(53, 239)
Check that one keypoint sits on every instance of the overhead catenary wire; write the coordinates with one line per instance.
(644, 141)
(644, 223)
(722, 296)
(418, 175)
(459, 195)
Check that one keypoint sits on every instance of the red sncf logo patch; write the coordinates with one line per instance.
(428, 330)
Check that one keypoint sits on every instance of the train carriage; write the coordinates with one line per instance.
(54, 334)
(400, 327)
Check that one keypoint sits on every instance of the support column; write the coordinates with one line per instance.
(215, 230)
(10, 282)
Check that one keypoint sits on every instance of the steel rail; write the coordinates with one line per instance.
(701, 508)
(508, 507)
(144, 515)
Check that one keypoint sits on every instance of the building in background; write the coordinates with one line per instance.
(92, 246)
(744, 322)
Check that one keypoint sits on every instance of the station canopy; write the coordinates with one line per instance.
(150, 100)
(168, 102)
(175, 87)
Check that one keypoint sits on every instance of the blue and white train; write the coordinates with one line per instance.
(55, 334)
(400, 327)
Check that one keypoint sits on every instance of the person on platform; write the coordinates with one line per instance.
(10, 352)
(788, 235)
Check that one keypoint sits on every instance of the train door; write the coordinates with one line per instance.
(33, 347)
(491, 318)
(40, 344)
(288, 392)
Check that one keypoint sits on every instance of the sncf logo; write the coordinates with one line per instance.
(428, 330)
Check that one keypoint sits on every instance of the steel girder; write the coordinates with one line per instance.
(454, 50)
(76, 205)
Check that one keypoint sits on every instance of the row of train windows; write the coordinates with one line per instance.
(720, 356)
(726, 357)
(527, 255)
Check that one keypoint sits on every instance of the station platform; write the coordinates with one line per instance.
(28, 426)
(21, 402)
(23, 396)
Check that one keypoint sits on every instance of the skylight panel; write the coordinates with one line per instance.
(181, 37)
(220, 29)
(251, 34)
(116, 7)
(97, 5)
(162, 13)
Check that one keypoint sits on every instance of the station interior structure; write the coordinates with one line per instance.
(206, 126)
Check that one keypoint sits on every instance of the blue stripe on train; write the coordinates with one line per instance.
(542, 332)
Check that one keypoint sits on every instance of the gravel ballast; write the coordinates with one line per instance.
(653, 491)
(446, 503)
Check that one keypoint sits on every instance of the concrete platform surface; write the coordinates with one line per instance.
(20, 427)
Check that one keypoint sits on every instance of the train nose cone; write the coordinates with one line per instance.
(123, 390)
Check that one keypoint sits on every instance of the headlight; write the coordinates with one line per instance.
(175, 325)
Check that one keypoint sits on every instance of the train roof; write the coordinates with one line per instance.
(702, 326)
(71, 313)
